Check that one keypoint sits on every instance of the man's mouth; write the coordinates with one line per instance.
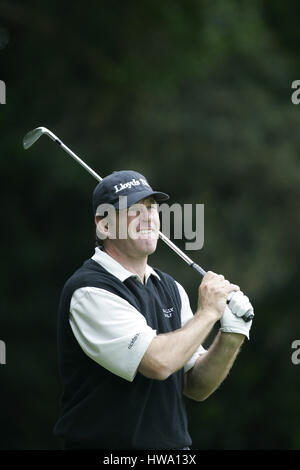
(146, 231)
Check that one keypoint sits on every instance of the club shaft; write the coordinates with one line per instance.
(182, 255)
(78, 160)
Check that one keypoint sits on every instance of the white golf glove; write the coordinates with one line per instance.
(232, 321)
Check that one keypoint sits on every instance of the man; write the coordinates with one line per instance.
(129, 345)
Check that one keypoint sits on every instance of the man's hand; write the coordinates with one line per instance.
(213, 292)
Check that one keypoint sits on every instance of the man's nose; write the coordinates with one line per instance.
(145, 215)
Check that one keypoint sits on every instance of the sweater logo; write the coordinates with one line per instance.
(168, 312)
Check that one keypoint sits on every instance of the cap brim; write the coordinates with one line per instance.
(139, 195)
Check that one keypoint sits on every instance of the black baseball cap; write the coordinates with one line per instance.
(127, 183)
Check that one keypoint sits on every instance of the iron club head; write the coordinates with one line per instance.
(32, 136)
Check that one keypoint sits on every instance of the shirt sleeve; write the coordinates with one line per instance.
(186, 315)
(110, 330)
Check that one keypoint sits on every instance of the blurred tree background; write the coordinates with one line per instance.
(196, 95)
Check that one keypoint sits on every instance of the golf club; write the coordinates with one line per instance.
(32, 136)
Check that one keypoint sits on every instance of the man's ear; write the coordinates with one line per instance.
(106, 224)
(102, 227)
(105, 220)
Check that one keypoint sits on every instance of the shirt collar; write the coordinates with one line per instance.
(116, 269)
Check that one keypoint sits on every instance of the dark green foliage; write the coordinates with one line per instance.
(197, 96)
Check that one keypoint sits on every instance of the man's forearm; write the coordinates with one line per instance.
(169, 352)
(212, 367)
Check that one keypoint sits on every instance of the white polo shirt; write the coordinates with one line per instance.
(104, 324)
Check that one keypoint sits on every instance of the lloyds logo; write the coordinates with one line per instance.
(2, 352)
(2, 92)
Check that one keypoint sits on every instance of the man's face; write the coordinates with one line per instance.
(142, 228)
(134, 230)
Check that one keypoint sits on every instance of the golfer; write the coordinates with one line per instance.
(129, 346)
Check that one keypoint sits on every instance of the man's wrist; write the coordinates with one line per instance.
(209, 313)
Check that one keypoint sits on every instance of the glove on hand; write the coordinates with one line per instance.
(231, 321)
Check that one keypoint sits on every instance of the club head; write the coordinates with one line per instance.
(32, 136)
